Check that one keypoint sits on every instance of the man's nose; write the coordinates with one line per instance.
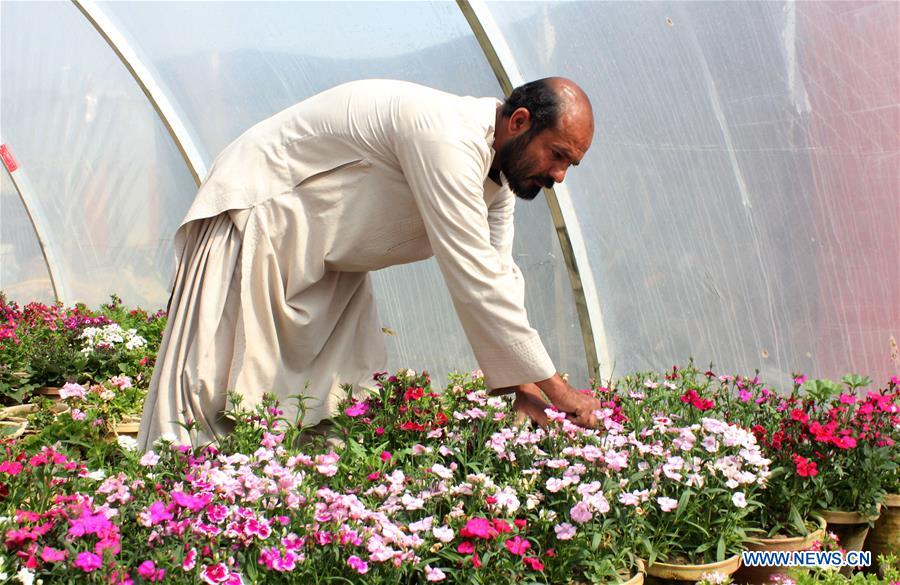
(558, 174)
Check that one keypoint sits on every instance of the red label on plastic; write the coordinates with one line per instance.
(8, 160)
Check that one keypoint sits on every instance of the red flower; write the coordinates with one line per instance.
(805, 467)
(465, 548)
(520, 523)
(799, 416)
(476, 562)
(501, 526)
(412, 426)
(533, 563)
(413, 393)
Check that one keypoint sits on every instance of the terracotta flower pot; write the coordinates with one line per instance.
(761, 575)
(851, 528)
(666, 572)
(884, 538)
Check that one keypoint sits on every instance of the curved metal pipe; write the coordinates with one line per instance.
(568, 230)
(38, 224)
(142, 74)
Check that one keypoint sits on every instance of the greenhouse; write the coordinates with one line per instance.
(705, 365)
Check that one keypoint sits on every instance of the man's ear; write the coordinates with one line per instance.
(519, 121)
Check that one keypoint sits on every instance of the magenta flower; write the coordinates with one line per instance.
(361, 566)
(358, 409)
(386, 456)
(51, 555)
(477, 528)
(517, 545)
(88, 561)
(214, 574)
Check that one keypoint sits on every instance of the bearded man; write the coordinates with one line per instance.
(272, 291)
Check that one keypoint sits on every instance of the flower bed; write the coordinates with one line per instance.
(415, 484)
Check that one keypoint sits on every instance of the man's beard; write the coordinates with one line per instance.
(517, 166)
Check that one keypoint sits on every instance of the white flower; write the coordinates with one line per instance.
(739, 500)
(25, 576)
(443, 533)
(127, 443)
(96, 475)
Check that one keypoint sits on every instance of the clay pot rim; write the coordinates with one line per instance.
(693, 572)
(800, 541)
(844, 517)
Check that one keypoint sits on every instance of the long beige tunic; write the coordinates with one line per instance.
(272, 292)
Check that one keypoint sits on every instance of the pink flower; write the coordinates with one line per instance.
(744, 395)
(358, 409)
(361, 566)
(564, 531)
(478, 528)
(434, 574)
(71, 390)
(581, 513)
(213, 574)
(667, 504)
(11, 467)
(847, 398)
(51, 555)
(465, 548)
(77, 414)
(148, 571)
(517, 545)
(386, 456)
(190, 560)
(88, 561)
(269, 440)
(159, 513)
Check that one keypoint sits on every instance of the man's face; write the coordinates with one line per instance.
(531, 162)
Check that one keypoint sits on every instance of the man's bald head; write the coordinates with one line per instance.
(552, 102)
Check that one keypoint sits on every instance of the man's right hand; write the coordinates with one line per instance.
(578, 407)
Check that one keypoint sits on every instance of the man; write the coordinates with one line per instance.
(272, 292)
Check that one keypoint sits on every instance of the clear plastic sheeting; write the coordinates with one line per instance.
(741, 201)
(224, 67)
(23, 272)
(105, 178)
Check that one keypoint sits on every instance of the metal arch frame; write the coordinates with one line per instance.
(142, 74)
(23, 189)
(568, 230)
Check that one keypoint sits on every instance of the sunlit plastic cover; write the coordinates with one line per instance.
(107, 183)
(116, 186)
(23, 272)
(741, 201)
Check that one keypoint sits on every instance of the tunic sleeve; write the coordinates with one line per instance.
(445, 174)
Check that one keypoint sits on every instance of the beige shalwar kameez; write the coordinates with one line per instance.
(272, 292)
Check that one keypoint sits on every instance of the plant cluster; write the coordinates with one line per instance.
(49, 345)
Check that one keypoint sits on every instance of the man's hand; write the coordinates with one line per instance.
(578, 407)
(530, 402)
